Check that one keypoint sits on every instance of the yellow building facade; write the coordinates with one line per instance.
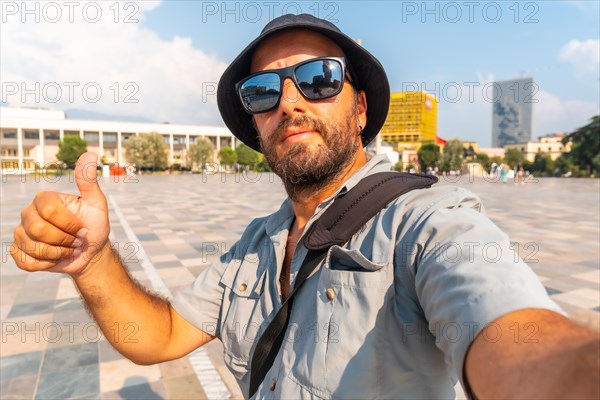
(411, 120)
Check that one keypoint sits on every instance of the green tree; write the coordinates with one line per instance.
(528, 166)
(596, 164)
(147, 151)
(585, 147)
(248, 156)
(429, 155)
(200, 153)
(513, 157)
(228, 156)
(564, 164)
(70, 148)
(543, 165)
(452, 157)
(484, 160)
(263, 166)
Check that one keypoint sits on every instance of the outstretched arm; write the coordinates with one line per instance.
(539, 355)
(141, 325)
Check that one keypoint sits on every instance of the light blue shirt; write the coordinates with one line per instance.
(388, 315)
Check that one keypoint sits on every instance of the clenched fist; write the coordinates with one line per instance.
(61, 232)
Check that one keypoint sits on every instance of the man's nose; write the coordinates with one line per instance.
(291, 99)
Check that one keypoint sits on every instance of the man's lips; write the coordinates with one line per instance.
(299, 134)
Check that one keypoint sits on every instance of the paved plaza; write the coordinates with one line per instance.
(169, 228)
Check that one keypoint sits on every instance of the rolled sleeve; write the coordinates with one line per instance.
(200, 303)
(467, 275)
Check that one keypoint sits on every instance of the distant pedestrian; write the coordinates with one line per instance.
(504, 172)
(521, 176)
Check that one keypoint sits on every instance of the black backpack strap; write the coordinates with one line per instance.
(336, 226)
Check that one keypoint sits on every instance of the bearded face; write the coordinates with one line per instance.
(308, 167)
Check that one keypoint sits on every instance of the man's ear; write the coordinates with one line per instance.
(361, 106)
(254, 125)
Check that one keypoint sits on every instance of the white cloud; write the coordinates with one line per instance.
(171, 80)
(552, 114)
(584, 56)
(470, 118)
(489, 78)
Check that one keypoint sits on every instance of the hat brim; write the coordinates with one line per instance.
(371, 75)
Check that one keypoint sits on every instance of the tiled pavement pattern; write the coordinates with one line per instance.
(50, 349)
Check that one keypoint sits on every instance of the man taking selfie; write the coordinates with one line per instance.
(384, 314)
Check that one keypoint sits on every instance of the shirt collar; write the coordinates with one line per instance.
(379, 163)
(281, 219)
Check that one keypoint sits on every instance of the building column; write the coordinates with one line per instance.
(170, 149)
(119, 158)
(81, 133)
(61, 134)
(187, 151)
(218, 143)
(20, 149)
(233, 142)
(101, 144)
(42, 151)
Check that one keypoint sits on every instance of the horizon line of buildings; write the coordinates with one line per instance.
(29, 137)
(412, 116)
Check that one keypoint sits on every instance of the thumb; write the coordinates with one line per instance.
(86, 177)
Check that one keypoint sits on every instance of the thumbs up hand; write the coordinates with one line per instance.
(61, 232)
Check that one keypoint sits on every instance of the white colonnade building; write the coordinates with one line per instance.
(29, 137)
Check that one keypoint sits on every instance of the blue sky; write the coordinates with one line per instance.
(172, 53)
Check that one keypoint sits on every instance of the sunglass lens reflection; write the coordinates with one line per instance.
(320, 79)
(261, 92)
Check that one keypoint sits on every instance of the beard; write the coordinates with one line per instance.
(306, 169)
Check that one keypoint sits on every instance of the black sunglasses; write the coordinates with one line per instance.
(316, 79)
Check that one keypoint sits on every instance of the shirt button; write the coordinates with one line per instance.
(330, 294)
(272, 385)
(243, 287)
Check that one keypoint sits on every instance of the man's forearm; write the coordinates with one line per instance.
(540, 354)
(136, 322)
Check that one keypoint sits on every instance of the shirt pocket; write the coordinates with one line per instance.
(351, 269)
(243, 312)
(339, 357)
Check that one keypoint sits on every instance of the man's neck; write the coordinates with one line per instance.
(305, 205)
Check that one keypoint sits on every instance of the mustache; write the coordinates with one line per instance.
(302, 121)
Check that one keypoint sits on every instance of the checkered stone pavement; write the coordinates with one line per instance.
(168, 229)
